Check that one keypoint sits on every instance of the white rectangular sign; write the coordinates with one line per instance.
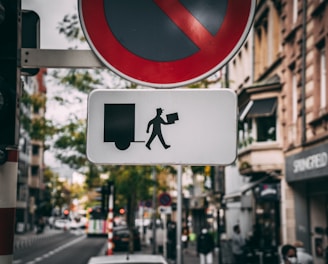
(166, 126)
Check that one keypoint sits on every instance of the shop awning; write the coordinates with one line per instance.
(248, 186)
(258, 108)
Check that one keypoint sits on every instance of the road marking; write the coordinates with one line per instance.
(44, 256)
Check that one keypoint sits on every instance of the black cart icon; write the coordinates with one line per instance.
(119, 124)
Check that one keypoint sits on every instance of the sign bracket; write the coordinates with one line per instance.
(53, 58)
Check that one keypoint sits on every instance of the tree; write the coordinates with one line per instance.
(132, 185)
(58, 193)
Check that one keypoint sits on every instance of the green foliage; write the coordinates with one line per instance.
(132, 180)
(36, 126)
(70, 144)
(82, 80)
(57, 193)
(70, 27)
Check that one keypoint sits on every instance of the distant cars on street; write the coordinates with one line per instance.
(132, 259)
(63, 224)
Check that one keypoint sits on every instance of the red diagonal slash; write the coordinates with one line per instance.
(185, 21)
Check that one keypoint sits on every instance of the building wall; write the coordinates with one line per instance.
(304, 99)
(30, 181)
(234, 211)
(255, 74)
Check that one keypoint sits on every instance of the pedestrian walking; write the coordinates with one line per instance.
(185, 237)
(302, 256)
(238, 244)
(205, 247)
(289, 254)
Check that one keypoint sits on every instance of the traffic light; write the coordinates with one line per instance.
(122, 211)
(106, 190)
(66, 213)
(10, 44)
(104, 198)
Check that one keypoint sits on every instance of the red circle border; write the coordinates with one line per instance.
(196, 67)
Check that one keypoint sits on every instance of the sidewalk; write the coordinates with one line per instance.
(189, 255)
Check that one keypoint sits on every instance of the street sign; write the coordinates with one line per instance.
(165, 43)
(164, 199)
(163, 126)
(165, 209)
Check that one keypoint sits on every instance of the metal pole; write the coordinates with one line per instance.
(110, 220)
(179, 215)
(164, 237)
(154, 211)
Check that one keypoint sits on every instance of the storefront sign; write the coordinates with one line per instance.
(309, 164)
(312, 162)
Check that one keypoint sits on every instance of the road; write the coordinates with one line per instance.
(62, 247)
(55, 246)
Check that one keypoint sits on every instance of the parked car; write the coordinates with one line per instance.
(132, 259)
(64, 224)
(51, 221)
(76, 225)
(121, 238)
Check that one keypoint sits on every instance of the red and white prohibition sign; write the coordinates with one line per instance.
(166, 43)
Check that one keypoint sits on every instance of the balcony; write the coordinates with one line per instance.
(260, 158)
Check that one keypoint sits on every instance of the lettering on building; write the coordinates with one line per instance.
(312, 162)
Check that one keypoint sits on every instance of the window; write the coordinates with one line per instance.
(266, 128)
(258, 122)
(323, 81)
(36, 109)
(294, 98)
(295, 11)
(35, 150)
(245, 133)
(35, 170)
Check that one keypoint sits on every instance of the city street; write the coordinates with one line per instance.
(57, 246)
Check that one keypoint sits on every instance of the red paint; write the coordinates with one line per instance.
(7, 223)
(12, 155)
(214, 49)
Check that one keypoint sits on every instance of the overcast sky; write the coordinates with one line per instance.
(51, 12)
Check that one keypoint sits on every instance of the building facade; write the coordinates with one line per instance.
(30, 183)
(304, 119)
(280, 77)
(255, 73)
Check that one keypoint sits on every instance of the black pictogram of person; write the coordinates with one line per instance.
(157, 122)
